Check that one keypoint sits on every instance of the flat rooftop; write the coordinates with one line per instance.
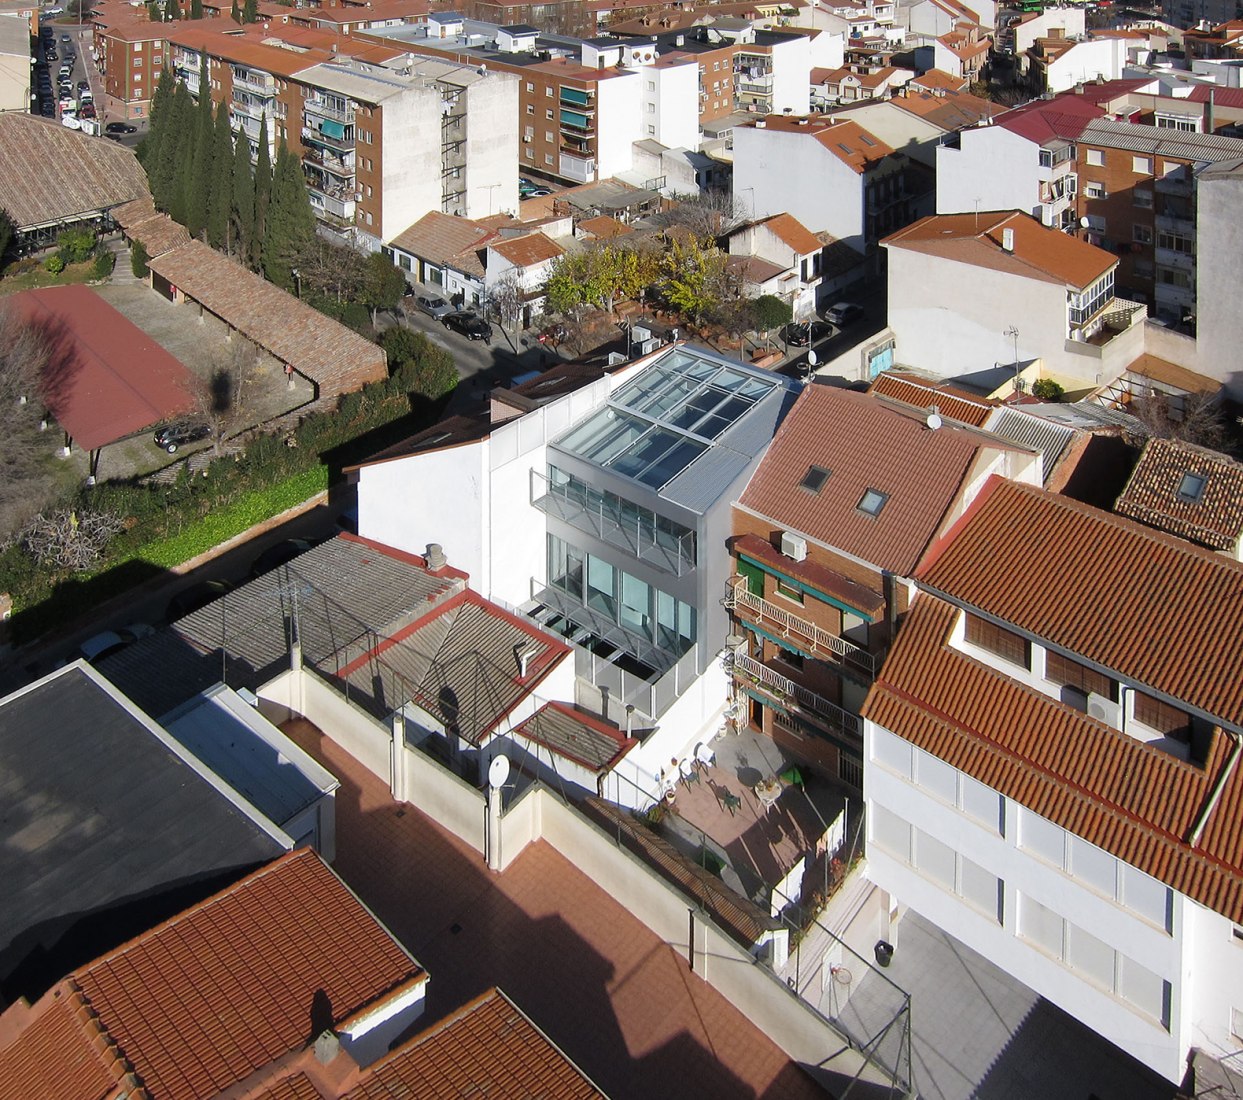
(617, 1000)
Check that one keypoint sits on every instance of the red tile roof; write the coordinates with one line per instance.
(1131, 799)
(937, 79)
(225, 988)
(923, 394)
(978, 239)
(865, 444)
(1045, 119)
(487, 1048)
(792, 232)
(534, 248)
(60, 1053)
(106, 378)
(844, 138)
(1150, 607)
(1151, 496)
(1220, 97)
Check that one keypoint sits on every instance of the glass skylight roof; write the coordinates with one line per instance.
(661, 421)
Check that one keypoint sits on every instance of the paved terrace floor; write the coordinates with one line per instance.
(615, 998)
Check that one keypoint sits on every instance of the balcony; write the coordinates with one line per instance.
(1176, 183)
(1172, 257)
(634, 534)
(324, 108)
(806, 635)
(796, 700)
(329, 140)
(341, 167)
(256, 83)
(1169, 223)
(336, 202)
(576, 164)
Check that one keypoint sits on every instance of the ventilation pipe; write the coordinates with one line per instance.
(436, 559)
(1215, 795)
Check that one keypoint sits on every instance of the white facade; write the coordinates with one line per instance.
(993, 168)
(619, 122)
(792, 66)
(491, 149)
(670, 104)
(1085, 61)
(15, 64)
(1219, 244)
(1070, 21)
(410, 162)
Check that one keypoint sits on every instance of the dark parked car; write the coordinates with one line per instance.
(172, 436)
(470, 325)
(108, 642)
(189, 600)
(800, 333)
(278, 554)
(433, 306)
(120, 128)
(843, 314)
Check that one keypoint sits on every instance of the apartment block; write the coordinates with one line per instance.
(1059, 788)
(14, 62)
(130, 53)
(383, 138)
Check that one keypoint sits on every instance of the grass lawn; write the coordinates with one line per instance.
(29, 274)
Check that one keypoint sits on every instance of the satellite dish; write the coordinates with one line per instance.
(934, 421)
(498, 772)
(1084, 223)
(812, 359)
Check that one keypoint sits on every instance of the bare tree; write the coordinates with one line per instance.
(26, 482)
(708, 215)
(223, 395)
(1189, 418)
(69, 539)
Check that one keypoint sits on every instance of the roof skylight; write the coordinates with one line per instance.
(1191, 488)
(872, 502)
(813, 481)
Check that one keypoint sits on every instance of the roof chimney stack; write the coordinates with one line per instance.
(1007, 239)
(327, 1047)
(436, 559)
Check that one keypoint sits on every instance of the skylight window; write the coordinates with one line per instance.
(1191, 488)
(845, 148)
(873, 501)
(813, 481)
(866, 140)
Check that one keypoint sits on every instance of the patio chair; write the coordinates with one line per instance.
(731, 802)
(686, 769)
(704, 757)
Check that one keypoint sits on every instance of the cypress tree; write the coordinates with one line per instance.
(161, 105)
(196, 9)
(263, 192)
(171, 11)
(290, 225)
(250, 12)
(235, 14)
(220, 190)
(243, 206)
(171, 146)
(154, 15)
(202, 146)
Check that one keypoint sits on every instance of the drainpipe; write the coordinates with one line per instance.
(1215, 794)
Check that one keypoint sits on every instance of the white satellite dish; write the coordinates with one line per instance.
(498, 772)
(934, 421)
(812, 359)
(1084, 223)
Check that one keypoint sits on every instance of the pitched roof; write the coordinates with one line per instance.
(922, 394)
(1214, 518)
(792, 232)
(337, 359)
(864, 444)
(1171, 374)
(1160, 141)
(1043, 563)
(1129, 798)
(50, 174)
(105, 379)
(844, 138)
(951, 111)
(576, 735)
(487, 1047)
(446, 239)
(533, 248)
(938, 79)
(58, 1053)
(157, 232)
(978, 240)
(1043, 120)
(225, 988)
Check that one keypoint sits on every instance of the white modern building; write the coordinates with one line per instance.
(15, 63)
(1219, 238)
(1053, 22)
(1059, 787)
(1058, 66)
(601, 513)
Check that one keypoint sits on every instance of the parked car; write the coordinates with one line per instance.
(470, 325)
(172, 436)
(433, 306)
(278, 554)
(535, 193)
(799, 334)
(844, 313)
(87, 110)
(65, 38)
(108, 642)
(189, 600)
(120, 128)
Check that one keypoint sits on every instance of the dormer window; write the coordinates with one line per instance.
(1191, 488)
(872, 502)
(814, 480)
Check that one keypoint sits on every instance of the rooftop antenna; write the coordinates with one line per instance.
(1013, 333)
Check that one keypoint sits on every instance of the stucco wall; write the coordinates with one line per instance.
(492, 146)
(1219, 244)
(411, 159)
(619, 122)
(993, 169)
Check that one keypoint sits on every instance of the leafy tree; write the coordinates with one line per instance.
(1047, 389)
(220, 193)
(769, 312)
(692, 277)
(75, 245)
(138, 260)
(263, 193)
(54, 264)
(707, 215)
(401, 345)
(27, 480)
(384, 285)
(599, 277)
(105, 261)
(243, 205)
(250, 11)
(289, 227)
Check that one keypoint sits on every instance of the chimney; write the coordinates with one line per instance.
(436, 559)
(1007, 239)
(523, 652)
(327, 1047)
(680, 40)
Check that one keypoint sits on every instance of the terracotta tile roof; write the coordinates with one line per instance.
(1131, 799)
(977, 239)
(445, 239)
(1171, 374)
(295, 1087)
(828, 76)
(487, 1047)
(845, 139)
(790, 231)
(876, 79)
(865, 444)
(334, 357)
(50, 174)
(108, 379)
(753, 270)
(1176, 627)
(1220, 97)
(1043, 120)
(244, 51)
(939, 80)
(1152, 496)
(158, 232)
(534, 248)
(576, 735)
(867, 602)
(225, 988)
(951, 111)
(922, 394)
(60, 1053)
(603, 227)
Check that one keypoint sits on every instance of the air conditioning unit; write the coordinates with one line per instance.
(793, 546)
(1104, 710)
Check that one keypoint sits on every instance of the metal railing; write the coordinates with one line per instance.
(806, 700)
(820, 643)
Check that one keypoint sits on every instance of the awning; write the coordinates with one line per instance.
(332, 129)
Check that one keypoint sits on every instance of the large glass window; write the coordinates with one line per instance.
(636, 612)
(601, 586)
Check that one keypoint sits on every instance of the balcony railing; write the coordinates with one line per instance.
(338, 166)
(1172, 257)
(809, 637)
(261, 85)
(329, 110)
(336, 201)
(1172, 223)
(317, 137)
(667, 552)
(817, 708)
